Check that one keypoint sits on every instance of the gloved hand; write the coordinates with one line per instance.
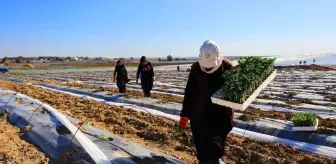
(113, 79)
(183, 123)
(153, 78)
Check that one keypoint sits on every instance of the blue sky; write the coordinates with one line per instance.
(114, 28)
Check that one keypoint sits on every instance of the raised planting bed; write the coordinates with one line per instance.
(158, 132)
(244, 83)
(305, 121)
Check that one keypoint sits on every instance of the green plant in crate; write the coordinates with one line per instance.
(304, 119)
(242, 81)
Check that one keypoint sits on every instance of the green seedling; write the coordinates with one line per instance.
(44, 111)
(86, 122)
(104, 138)
(178, 130)
(304, 119)
(245, 78)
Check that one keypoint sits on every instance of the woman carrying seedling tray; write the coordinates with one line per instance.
(145, 69)
(210, 123)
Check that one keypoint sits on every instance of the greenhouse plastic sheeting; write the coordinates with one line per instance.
(155, 89)
(45, 129)
(53, 138)
(317, 149)
(284, 130)
(314, 148)
(269, 127)
(169, 108)
(128, 106)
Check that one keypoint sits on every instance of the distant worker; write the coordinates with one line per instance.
(178, 68)
(210, 123)
(300, 62)
(314, 61)
(145, 69)
(122, 77)
(304, 62)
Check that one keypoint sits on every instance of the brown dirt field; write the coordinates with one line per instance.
(131, 93)
(14, 150)
(158, 132)
(287, 101)
(307, 67)
(331, 97)
(163, 86)
(255, 113)
(296, 101)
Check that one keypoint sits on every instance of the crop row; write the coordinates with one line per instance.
(158, 132)
(251, 114)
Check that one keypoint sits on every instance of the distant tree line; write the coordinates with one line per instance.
(170, 58)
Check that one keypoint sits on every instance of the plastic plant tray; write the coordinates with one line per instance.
(248, 101)
(306, 128)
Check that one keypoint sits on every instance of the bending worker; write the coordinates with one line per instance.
(210, 123)
(122, 77)
(145, 69)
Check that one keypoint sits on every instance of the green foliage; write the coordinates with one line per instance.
(169, 58)
(178, 130)
(246, 77)
(44, 111)
(304, 119)
(104, 138)
(86, 122)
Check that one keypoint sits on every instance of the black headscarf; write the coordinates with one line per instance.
(143, 59)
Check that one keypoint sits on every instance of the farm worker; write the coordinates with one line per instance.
(210, 123)
(178, 68)
(122, 77)
(145, 69)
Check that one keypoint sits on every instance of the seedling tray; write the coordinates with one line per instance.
(306, 128)
(253, 96)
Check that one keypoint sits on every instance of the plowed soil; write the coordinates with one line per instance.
(158, 132)
(307, 67)
(291, 101)
(131, 93)
(14, 150)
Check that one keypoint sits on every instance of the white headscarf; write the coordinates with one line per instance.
(210, 57)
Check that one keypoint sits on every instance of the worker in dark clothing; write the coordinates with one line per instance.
(122, 77)
(178, 68)
(210, 123)
(145, 69)
(314, 61)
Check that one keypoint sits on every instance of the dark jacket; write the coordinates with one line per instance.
(200, 87)
(146, 71)
(121, 72)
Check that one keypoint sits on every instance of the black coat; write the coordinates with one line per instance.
(200, 87)
(121, 72)
(146, 71)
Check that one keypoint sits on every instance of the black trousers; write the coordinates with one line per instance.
(121, 84)
(147, 85)
(209, 134)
